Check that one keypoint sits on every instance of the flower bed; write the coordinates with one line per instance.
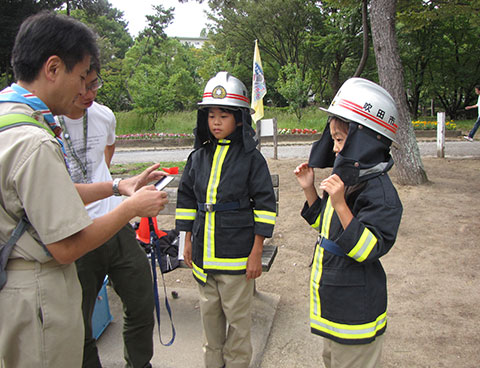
(432, 125)
(154, 136)
(297, 131)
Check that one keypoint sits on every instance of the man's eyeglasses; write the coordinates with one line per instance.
(96, 85)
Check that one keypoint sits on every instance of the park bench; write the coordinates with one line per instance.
(269, 250)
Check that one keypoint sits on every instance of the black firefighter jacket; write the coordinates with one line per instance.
(348, 286)
(222, 175)
(348, 294)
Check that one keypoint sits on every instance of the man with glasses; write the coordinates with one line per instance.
(44, 226)
(89, 139)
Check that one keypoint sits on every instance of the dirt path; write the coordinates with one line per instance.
(433, 273)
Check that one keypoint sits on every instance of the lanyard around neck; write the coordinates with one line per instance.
(68, 139)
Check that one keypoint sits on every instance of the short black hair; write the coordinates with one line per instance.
(236, 111)
(477, 86)
(46, 34)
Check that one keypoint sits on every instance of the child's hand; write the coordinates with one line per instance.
(187, 251)
(305, 175)
(306, 179)
(254, 266)
(334, 186)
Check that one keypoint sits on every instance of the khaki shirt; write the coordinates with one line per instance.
(34, 181)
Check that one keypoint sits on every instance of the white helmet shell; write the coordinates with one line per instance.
(224, 90)
(366, 103)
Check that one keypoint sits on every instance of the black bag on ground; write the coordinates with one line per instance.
(168, 247)
(164, 242)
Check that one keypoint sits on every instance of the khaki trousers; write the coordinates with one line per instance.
(225, 307)
(41, 324)
(337, 355)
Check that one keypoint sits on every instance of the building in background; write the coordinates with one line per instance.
(196, 42)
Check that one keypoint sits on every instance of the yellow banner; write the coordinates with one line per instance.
(259, 89)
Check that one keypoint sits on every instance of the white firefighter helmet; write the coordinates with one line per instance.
(366, 103)
(224, 90)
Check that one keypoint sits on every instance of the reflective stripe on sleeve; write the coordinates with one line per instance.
(185, 214)
(266, 217)
(364, 246)
(316, 224)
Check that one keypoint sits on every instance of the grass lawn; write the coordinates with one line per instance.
(136, 168)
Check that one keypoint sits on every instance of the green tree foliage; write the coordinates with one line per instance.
(437, 39)
(114, 38)
(320, 37)
(114, 41)
(284, 31)
(295, 87)
(165, 80)
(11, 16)
(438, 42)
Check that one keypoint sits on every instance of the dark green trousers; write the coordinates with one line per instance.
(129, 272)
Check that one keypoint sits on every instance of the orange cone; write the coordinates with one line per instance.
(143, 231)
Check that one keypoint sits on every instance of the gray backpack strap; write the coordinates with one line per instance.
(6, 249)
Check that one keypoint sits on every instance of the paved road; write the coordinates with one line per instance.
(452, 149)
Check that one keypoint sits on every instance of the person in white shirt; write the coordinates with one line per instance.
(89, 138)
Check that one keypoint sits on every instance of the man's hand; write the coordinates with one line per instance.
(147, 201)
(131, 185)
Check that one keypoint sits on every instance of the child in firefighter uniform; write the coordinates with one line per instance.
(357, 218)
(226, 205)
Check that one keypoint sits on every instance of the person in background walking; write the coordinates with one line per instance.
(470, 135)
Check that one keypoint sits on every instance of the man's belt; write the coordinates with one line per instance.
(20, 264)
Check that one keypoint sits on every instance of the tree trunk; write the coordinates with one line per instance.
(390, 73)
(363, 60)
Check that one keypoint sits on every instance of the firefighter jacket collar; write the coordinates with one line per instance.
(366, 154)
(245, 133)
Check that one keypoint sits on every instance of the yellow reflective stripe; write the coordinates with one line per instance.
(209, 236)
(351, 332)
(364, 246)
(211, 197)
(226, 263)
(267, 217)
(317, 269)
(185, 214)
(327, 218)
(316, 224)
(198, 272)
